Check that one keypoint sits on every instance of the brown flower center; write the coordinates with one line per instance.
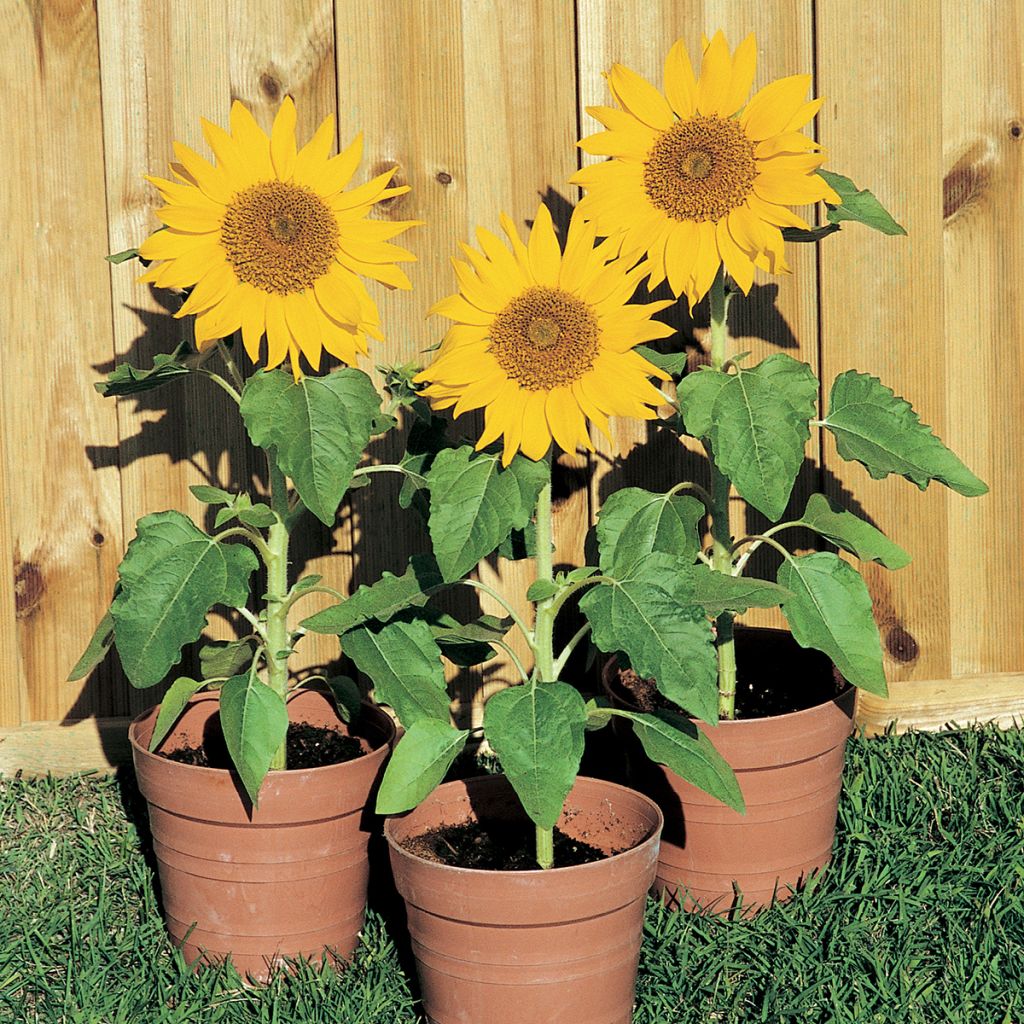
(700, 169)
(545, 338)
(279, 236)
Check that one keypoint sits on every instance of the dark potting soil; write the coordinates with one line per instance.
(774, 677)
(306, 746)
(472, 845)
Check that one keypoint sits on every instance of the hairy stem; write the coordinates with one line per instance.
(543, 642)
(278, 639)
(721, 551)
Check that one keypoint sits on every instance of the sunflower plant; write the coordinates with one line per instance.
(697, 187)
(544, 342)
(270, 248)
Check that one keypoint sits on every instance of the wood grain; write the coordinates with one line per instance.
(881, 302)
(474, 103)
(63, 516)
(780, 313)
(983, 265)
(65, 748)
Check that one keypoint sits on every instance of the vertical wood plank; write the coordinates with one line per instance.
(475, 104)
(983, 190)
(12, 682)
(881, 302)
(780, 313)
(64, 518)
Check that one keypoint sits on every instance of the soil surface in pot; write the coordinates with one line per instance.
(307, 746)
(491, 848)
(775, 677)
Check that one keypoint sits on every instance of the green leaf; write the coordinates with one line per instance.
(123, 256)
(851, 533)
(809, 234)
(598, 714)
(794, 380)
(717, 592)
(671, 362)
(540, 590)
(258, 515)
(663, 638)
(172, 705)
(696, 394)
(399, 384)
(220, 659)
(171, 575)
(254, 720)
(831, 611)
(212, 495)
(306, 583)
(319, 427)
(758, 436)
(346, 695)
(419, 763)
(381, 600)
(633, 523)
(101, 642)
(475, 504)
(881, 431)
(537, 732)
(676, 743)
(127, 380)
(468, 643)
(859, 205)
(403, 662)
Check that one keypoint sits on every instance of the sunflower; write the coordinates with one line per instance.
(543, 340)
(270, 241)
(696, 179)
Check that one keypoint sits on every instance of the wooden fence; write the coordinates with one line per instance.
(479, 104)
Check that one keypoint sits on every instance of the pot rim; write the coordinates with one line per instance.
(144, 752)
(816, 709)
(653, 837)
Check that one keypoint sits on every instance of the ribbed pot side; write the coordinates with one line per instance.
(506, 947)
(789, 769)
(289, 881)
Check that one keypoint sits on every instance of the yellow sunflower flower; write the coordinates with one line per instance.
(696, 178)
(543, 340)
(271, 242)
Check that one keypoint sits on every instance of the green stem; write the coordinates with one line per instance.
(721, 554)
(544, 642)
(278, 639)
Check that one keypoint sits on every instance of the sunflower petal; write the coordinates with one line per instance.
(793, 189)
(337, 298)
(681, 254)
(744, 64)
(300, 314)
(282, 140)
(715, 77)
(774, 106)
(338, 171)
(278, 336)
(566, 422)
(254, 322)
(252, 140)
(536, 437)
(543, 249)
(640, 98)
(311, 160)
(736, 261)
(212, 180)
(680, 81)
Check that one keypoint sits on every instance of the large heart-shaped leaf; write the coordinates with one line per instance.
(319, 427)
(403, 662)
(419, 763)
(851, 533)
(633, 523)
(664, 639)
(759, 431)
(537, 732)
(696, 394)
(881, 431)
(475, 504)
(676, 743)
(254, 721)
(171, 575)
(830, 610)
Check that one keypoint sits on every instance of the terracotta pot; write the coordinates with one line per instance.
(507, 947)
(789, 769)
(289, 880)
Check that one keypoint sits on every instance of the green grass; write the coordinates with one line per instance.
(920, 917)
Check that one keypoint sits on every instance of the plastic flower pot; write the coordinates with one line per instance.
(507, 947)
(286, 880)
(789, 768)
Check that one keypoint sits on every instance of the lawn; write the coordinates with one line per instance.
(920, 917)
